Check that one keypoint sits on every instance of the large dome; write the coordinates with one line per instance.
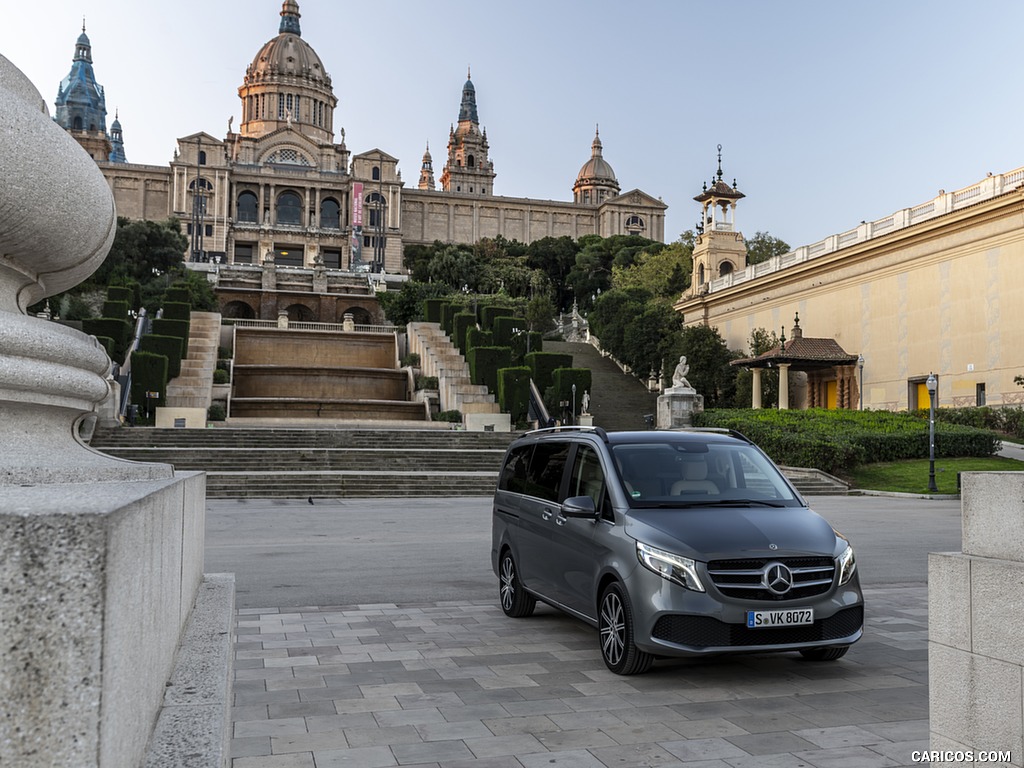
(286, 86)
(288, 55)
(596, 180)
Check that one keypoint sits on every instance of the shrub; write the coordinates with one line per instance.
(477, 338)
(489, 313)
(114, 328)
(168, 327)
(453, 416)
(514, 392)
(838, 440)
(448, 312)
(426, 382)
(543, 364)
(461, 323)
(432, 310)
(108, 344)
(177, 294)
(177, 310)
(149, 374)
(412, 360)
(120, 293)
(168, 346)
(507, 330)
(118, 309)
(220, 376)
(216, 413)
(484, 363)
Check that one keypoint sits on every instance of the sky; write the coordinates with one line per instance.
(828, 113)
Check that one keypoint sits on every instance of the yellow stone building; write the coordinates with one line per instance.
(285, 184)
(935, 288)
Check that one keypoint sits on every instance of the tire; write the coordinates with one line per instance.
(825, 654)
(615, 634)
(515, 601)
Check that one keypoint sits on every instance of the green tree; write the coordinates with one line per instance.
(664, 273)
(611, 316)
(555, 257)
(763, 246)
(456, 266)
(143, 250)
(406, 305)
(710, 372)
(652, 338)
(540, 313)
(760, 341)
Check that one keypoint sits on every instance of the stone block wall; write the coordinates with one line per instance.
(976, 623)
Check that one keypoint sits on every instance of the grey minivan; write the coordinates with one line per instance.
(671, 543)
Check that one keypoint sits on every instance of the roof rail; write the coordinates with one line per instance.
(599, 431)
(720, 430)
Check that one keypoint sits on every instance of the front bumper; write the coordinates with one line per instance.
(673, 621)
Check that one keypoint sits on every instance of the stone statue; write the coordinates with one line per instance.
(585, 403)
(679, 375)
(231, 119)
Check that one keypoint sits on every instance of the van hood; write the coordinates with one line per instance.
(730, 532)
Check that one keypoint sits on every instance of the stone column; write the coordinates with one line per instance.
(756, 386)
(976, 621)
(783, 386)
(100, 558)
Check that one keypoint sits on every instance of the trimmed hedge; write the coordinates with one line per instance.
(838, 440)
(461, 323)
(543, 365)
(177, 294)
(168, 327)
(477, 338)
(490, 313)
(115, 328)
(116, 309)
(168, 346)
(514, 392)
(448, 312)
(120, 293)
(177, 310)
(149, 374)
(505, 328)
(108, 344)
(484, 363)
(432, 309)
(561, 388)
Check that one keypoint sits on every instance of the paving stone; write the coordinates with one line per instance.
(846, 757)
(359, 757)
(703, 749)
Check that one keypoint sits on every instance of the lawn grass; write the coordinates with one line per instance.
(912, 476)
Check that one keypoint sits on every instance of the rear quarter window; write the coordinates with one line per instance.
(513, 473)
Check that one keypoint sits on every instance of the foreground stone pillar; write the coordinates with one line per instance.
(783, 386)
(756, 387)
(677, 406)
(976, 622)
(100, 558)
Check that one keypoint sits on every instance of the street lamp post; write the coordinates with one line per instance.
(931, 384)
(573, 412)
(860, 364)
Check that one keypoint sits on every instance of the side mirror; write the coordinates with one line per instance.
(579, 506)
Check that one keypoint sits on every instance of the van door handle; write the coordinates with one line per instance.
(545, 515)
(561, 519)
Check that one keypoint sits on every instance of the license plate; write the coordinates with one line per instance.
(791, 617)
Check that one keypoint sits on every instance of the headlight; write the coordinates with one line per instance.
(847, 565)
(681, 570)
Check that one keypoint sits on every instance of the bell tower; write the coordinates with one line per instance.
(720, 248)
(468, 171)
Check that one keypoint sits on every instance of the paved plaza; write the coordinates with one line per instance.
(456, 683)
(460, 684)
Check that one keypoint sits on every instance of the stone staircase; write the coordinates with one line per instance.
(324, 463)
(194, 386)
(439, 357)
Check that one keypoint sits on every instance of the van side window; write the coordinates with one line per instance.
(513, 474)
(587, 477)
(544, 477)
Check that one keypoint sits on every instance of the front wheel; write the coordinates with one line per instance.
(515, 601)
(825, 654)
(616, 628)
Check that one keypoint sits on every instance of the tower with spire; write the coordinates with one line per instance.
(719, 248)
(468, 171)
(81, 107)
(117, 141)
(427, 171)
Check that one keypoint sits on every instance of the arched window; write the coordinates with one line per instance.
(377, 206)
(330, 214)
(202, 157)
(77, 123)
(725, 268)
(375, 173)
(248, 208)
(635, 225)
(700, 275)
(289, 208)
(471, 161)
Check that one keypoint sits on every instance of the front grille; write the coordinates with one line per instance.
(742, 578)
(709, 632)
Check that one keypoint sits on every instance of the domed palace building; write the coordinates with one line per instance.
(283, 186)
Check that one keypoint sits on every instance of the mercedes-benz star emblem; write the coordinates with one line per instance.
(778, 578)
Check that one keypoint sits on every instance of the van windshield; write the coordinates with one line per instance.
(677, 474)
